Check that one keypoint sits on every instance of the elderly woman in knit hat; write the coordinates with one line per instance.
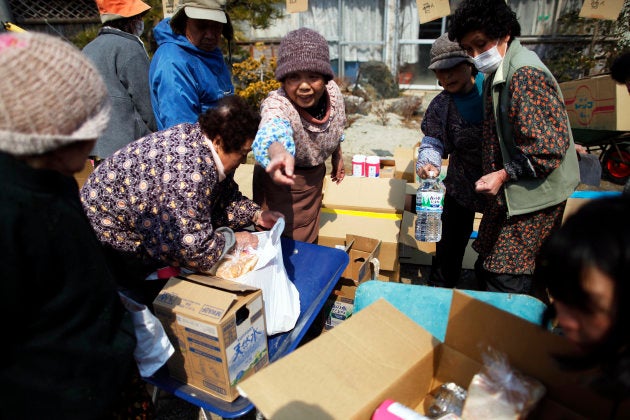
(452, 128)
(70, 344)
(302, 126)
(120, 57)
(188, 73)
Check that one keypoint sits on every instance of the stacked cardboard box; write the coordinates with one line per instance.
(369, 207)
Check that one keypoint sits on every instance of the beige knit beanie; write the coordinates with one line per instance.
(51, 95)
(303, 50)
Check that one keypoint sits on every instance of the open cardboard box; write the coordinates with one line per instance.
(368, 207)
(218, 330)
(380, 353)
(363, 253)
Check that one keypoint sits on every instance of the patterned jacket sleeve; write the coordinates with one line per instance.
(541, 130)
(432, 145)
(233, 209)
(274, 127)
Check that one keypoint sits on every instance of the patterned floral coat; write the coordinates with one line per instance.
(160, 198)
(541, 135)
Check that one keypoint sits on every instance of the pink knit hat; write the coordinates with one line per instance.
(303, 50)
(51, 95)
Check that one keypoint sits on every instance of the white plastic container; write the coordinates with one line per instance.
(358, 165)
(372, 166)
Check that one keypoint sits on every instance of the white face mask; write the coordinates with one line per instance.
(138, 27)
(488, 61)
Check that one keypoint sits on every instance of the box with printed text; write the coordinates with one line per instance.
(218, 330)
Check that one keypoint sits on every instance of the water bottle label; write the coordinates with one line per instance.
(431, 201)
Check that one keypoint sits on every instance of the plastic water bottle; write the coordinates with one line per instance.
(429, 205)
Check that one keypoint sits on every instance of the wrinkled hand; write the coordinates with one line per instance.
(423, 171)
(246, 239)
(268, 218)
(491, 183)
(338, 172)
(281, 165)
(581, 149)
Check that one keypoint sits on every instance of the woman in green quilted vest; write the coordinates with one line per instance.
(529, 161)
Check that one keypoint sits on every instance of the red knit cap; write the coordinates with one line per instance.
(303, 50)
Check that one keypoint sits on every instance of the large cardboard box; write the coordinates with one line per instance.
(369, 207)
(218, 330)
(381, 354)
(363, 253)
(597, 103)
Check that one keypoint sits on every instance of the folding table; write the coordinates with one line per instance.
(314, 270)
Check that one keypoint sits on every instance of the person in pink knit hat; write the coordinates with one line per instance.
(69, 347)
(301, 127)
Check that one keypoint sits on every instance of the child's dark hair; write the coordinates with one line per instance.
(492, 17)
(597, 235)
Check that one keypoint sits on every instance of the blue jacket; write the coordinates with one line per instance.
(185, 80)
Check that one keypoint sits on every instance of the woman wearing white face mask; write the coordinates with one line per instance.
(528, 155)
(120, 57)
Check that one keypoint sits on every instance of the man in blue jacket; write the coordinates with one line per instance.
(188, 74)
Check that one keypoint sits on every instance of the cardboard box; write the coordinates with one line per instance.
(390, 275)
(244, 176)
(597, 103)
(388, 167)
(218, 330)
(369, 207)
(415, 252)
(363, 253)
(405, 158)
(340, 304)
(381, 195)
(380, 353)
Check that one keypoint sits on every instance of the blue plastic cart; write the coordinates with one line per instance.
(314, 270)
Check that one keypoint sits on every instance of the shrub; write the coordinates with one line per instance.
(254, 79)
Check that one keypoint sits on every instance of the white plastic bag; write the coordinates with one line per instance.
(281, 297)
(153, 347)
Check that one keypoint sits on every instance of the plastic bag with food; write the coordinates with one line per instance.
(281, 297)
(501, 392)
(239, 261)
